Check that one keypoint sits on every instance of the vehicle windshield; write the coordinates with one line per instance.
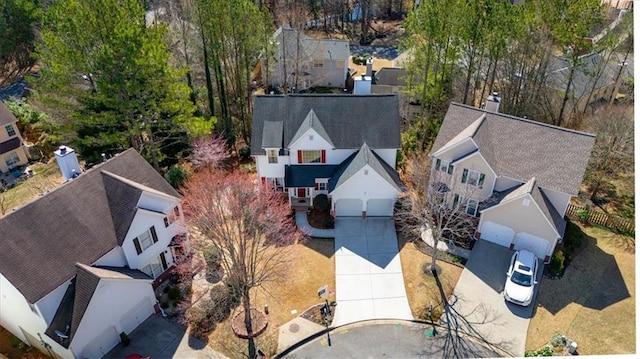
(521, 279)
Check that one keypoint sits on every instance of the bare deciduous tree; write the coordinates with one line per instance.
(251, 228)
(208, 152)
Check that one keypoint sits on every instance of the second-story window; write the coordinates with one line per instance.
(272, 155)
(145, 240)
(444, 166)
(314, 156)
(318, 63)
(10, 130)
(472, 177)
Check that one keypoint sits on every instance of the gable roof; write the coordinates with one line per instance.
(584, 77)
(75, 222)
(348, 120)
(78, 295)
(6, 116)
(354, 163)
(311, 122)
(521, 149)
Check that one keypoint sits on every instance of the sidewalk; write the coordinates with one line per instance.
(303, 224)
(442, 246)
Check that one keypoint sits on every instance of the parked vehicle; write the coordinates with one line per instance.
(521, 278)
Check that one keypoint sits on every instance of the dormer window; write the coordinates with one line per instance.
(145, 240)
(272, 155)
(10, 130)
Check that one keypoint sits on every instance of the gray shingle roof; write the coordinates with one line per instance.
(10, 144)
(521, 149)
(391, 76)
(349, 120)
(6, 116)
(305, 175)
(311, 122)
(584, 76)
(42, 241)
(549, 210)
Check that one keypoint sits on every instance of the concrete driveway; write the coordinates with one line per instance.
(158, 337)
(369, 282)
(479, 304)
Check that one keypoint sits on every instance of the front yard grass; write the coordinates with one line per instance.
(593, 304)
(313, 267)
(421, 288)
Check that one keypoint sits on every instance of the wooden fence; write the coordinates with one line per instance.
(603, 219)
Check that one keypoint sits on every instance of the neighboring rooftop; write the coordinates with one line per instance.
(78, 222)
(522, 149)
(6, 117)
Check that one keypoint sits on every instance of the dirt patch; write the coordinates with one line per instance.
(12, 347)
(315, 314)
(594, 302)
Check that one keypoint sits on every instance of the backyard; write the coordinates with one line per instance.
(593, 303)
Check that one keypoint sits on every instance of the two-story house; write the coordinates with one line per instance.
(13, 150)
(300, 62)
(343, 146)
(78, 264)
(515, 174)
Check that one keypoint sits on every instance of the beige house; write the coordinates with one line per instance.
(13, 150)
(516, 175)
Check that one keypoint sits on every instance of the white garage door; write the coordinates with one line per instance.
(379, 208)
(101, 345)
(349, 208)
(496, 233)
(534, 244)
(136, 315)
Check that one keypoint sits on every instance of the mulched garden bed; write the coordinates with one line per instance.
(314, 314)
(423, 247)
(320, 219)
(258, 322)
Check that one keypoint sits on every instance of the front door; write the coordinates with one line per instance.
(302, 192)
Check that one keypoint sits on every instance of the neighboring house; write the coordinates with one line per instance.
(593, 79)
(392, 80)
(343, 146)
(78, 264)
(517, 175)
(13, 150)
(302, 62)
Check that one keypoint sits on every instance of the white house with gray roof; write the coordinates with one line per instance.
(517, 175)
(78, 264)
(343, 146)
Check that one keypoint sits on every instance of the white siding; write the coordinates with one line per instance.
(115, 258)
(311, 140)
(474, 162)
(271, 170)
(17, 314)
(110, 302)
(157, 202)
(365, 187)
(141, 223)
(389, 155)
(48, 305)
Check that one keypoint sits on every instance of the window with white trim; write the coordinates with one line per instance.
(470, 206)
(272, 155)
(12, 159)
(473, 178)
(145, 240)
(444, 166)
(10, 130)
(172, 216)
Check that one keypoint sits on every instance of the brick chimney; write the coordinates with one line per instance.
(68, 162)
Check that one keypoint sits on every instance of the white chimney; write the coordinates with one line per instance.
(369, 67)
(362, 85)
(68, 162)
(493, 103)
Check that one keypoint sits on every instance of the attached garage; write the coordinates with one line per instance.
(102, 344)
(134, 317)
(496, 233)
(379, 208)
(348, 208)
(534, 244)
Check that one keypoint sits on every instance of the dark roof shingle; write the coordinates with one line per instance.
(349, 120)
(521, 149)
(42, 241)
